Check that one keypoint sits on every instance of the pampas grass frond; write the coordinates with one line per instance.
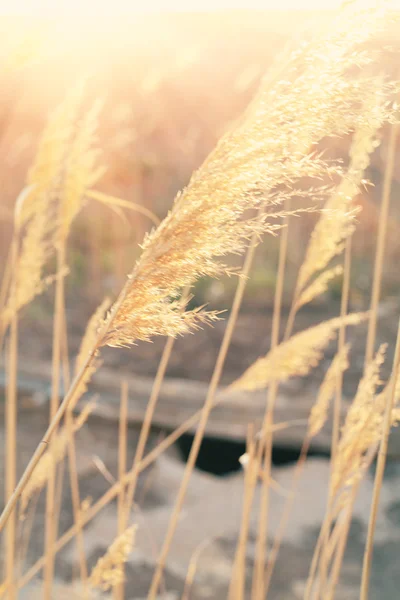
(271, 148)
(36, 207)
(319, 411)
(296, 357)
(337, 223)
(81, 170)
(108, 571)
(46, 173)
(362, 428)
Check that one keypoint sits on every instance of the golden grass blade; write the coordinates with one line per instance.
(296, 357)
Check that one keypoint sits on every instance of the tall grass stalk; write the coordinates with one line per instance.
(344, 307)
(344, 303)
(266, 432)
(58, 327)
(11, 426)
(208, 404)
(238, 579)
(148, 417)
(118, 590)
(380, 468)
(381, 241)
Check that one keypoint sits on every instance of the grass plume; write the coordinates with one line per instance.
(295, 357)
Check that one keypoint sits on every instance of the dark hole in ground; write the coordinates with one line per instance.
(221, 456)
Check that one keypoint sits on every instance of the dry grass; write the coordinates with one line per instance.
(253, 185)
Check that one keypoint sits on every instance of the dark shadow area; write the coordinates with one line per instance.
(221, 456)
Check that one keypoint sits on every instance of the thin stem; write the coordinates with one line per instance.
(344, 306)
(119, 202)
(148, 417)
(381, 242)
(267, 434)
(50, 534)
(76, 500)
(380, 468)
(342, 542)
(122, 439)
(285, 515)
(215, 379)
(11, 427)
(337, 404)
(237, 584)
(191, 572)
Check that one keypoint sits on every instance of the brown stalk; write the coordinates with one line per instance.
(216, 376)
(285, 515)
(381, 242)
(11, 428)
(258, 590)
(145, 429)
(238, 580)
(27, 521)
(118, 590)
(191, 572)
(76, 501)
(344, 305)
(341, 541)
(380, 468)
(340, 536)
(50, 533)
(337, 403)
(148, 417)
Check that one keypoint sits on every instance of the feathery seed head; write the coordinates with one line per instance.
(296, 357)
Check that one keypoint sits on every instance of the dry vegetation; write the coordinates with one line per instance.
(266, 173)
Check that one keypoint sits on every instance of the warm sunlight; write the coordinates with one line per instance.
(199, 299)
(109, 7)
